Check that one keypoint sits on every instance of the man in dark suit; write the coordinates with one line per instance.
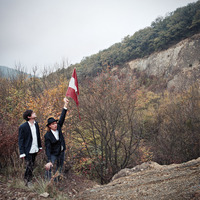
(29, 143)
(55, 142)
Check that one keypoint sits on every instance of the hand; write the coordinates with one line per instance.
(39, 150)
(22, 156)
(66, 102)
(48, 166)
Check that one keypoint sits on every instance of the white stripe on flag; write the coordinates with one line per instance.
(72, 84)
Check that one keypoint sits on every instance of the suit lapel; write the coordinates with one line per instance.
(28, 128)
(51, 135)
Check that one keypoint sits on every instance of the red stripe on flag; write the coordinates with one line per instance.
(73, 90)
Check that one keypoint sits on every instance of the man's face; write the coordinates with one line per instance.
(53, 126)
(33, 116)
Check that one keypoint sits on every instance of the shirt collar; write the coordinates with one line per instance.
(30, 123)
(54, 131)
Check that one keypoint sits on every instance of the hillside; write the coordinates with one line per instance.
(162, 34)
(7, 72)
(151, 181)
(178, 65)
(173, 69)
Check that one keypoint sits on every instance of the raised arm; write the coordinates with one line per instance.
(62, 117)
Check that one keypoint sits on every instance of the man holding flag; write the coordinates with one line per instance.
(54, 140)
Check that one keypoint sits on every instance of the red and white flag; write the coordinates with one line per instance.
(73, 90)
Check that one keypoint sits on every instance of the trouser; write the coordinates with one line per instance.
(59, 161)
(30, 160)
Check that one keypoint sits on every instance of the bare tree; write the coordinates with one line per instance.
(109, 129)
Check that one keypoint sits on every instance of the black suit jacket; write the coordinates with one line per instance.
(25, 138)
(53, 146)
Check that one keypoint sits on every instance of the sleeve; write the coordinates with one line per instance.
(22, 155)
(62, 117)
(21, 142)
(63, 143)
(48, 148)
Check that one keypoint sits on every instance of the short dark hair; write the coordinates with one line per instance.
(27, 114)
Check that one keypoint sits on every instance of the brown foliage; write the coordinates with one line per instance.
(109, 129)
(123, 123)
(175, 134)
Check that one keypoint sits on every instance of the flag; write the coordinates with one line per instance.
(73, 90)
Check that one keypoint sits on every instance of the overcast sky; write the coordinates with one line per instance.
(44, 32)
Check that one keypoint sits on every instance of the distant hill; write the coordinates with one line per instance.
(7, 72)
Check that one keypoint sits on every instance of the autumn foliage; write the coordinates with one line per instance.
(123, 121)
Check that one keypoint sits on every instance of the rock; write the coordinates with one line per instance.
(143, 166)
(45, 194)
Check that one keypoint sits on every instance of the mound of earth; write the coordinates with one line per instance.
(150, 181)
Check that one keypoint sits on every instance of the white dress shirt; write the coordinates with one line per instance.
(34, 146)
(55, 133)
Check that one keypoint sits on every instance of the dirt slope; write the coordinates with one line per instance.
(151, 181)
